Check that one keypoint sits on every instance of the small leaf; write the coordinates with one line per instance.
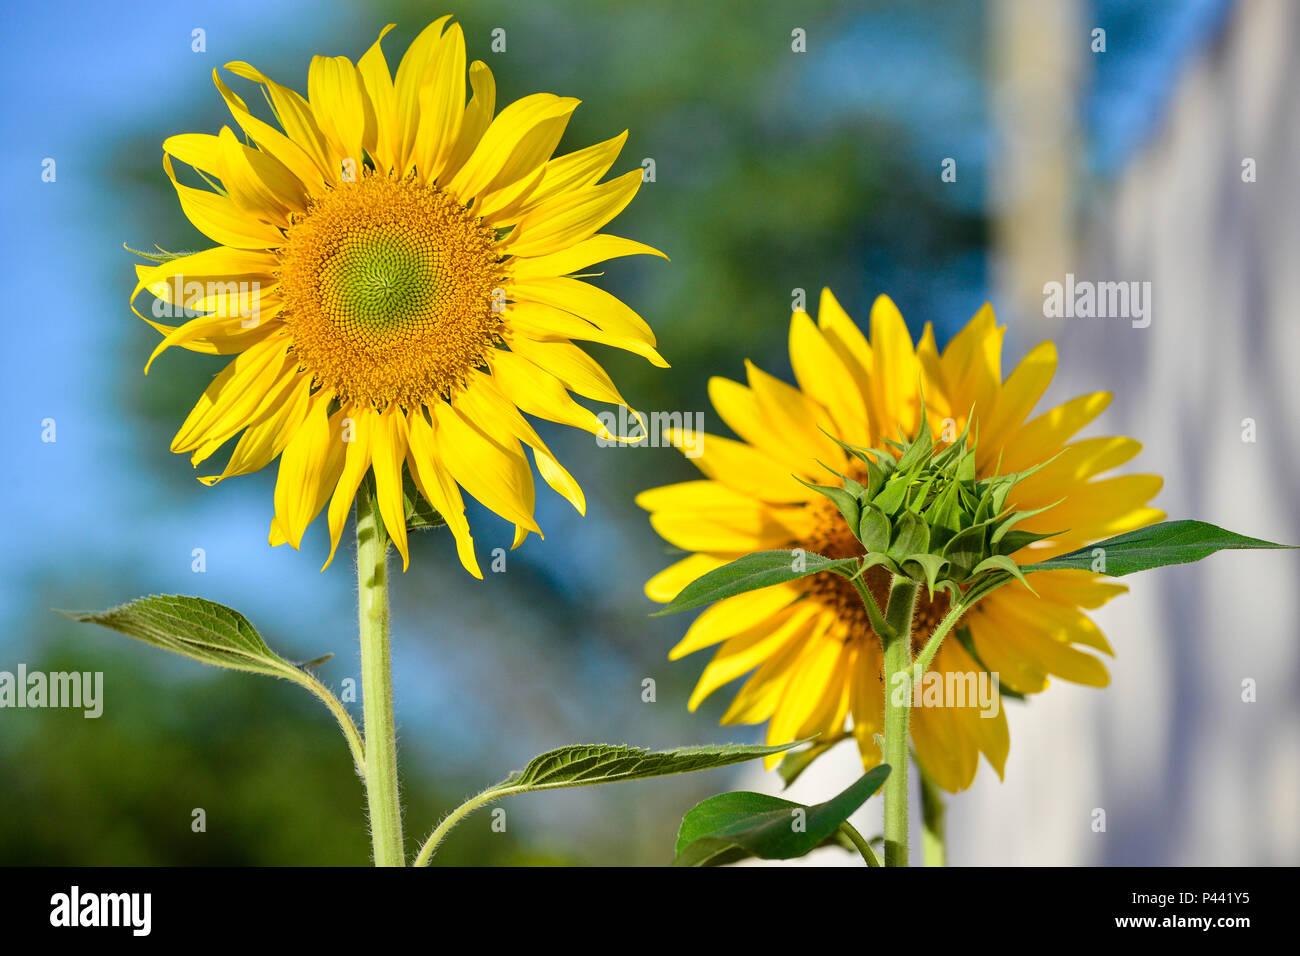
(1013, 541)
(931, 566)
(753, 571)
(161, 256)
(1007, 522)
(873, 558)
(892, 495)
(585, 765)
(420, 515)
(844, 500)
(965, 550)
(796, 762)
(873, 531)
(911, 536)
(765, 826)
(943, 512)
(1000, 562)
(1156, 546)
(194, 627)
(918, 453)
(876, 476)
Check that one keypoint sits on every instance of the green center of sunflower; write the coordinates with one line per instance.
(377, 283)
(388, 289)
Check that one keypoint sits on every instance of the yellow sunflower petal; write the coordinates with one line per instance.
(378, 84)
(668, 583)
(354, 428)
(439, 488)
(518, 140)
(240, 396)
(442, 105)
(824, 377)
(731, 616)
(571, 217)
(497, 476)
(295, 117)
(387, 453)
(477, 118)
(579, 256)
(746, 651)
(1017, 397)
(744, 468)
(302, 468)
(290, 154)
(582, 299)
(220, 219)
(260, 444)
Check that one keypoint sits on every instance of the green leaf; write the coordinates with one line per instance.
(965, 549)
(586, 765)
(911, 536)
(943, 514)
(753, 571)
(420, 515)
(873, 531)
(892, 495)
(1006, 523)
(1166, 543)
(215, 634)
(919, 451)
(764, 826)
(1013, 541)
(873, 558)
(195, 627)
(161, 256)
(931, 566)
(844, 500)
(1001, 563)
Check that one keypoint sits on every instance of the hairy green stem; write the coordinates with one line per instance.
(350, 732)
(377, 685)
(922, 662)
(897, 641)
(864, 848)
(451, 819)
(934, 837)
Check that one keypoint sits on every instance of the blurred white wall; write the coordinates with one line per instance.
(1185, 770)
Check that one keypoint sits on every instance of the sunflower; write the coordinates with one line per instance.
(394, 276)
(815, 659)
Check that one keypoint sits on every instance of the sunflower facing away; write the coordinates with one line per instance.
(816, 661)
(394, 276)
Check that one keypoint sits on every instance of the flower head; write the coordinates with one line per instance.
(816, 663)
(394, 275)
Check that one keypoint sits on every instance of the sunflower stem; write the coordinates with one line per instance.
(377, 684)
(934, 845)
(897, 641)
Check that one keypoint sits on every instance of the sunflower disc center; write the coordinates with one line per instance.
(388, 289)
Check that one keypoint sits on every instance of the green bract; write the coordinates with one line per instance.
(923, 514)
